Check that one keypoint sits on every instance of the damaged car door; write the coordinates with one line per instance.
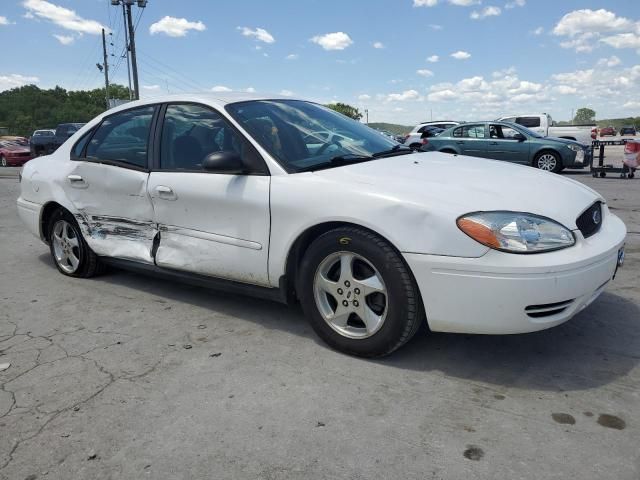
(210, 193)
(108, 186)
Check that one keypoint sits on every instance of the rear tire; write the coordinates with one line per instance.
(358, 293)
(69, 251)
(3, 161)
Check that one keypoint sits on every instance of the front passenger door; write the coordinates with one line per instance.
(211, 223)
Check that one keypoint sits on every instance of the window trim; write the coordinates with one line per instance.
(117, 163)
(157, 143)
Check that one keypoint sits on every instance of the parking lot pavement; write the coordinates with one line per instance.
(125, 376)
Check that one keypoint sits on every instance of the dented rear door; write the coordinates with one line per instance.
(107, 185)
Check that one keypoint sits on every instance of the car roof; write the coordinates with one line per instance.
(219, 99)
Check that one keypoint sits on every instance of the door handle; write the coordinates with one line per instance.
(77, 181)
(460, 142)
(493, 143)
(166, 193)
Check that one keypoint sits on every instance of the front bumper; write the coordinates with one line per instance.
(502, 293)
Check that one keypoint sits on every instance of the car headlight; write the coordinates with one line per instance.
(575, 148)
(516, 232)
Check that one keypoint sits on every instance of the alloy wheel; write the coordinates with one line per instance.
(350, 295)
(66, 246)
(547, 162)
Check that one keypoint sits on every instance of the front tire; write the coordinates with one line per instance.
(358, 293)
(548, 161)
(3, 161)
(71, 254)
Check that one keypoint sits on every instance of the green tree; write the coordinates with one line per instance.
(584, 115)
(348, 110)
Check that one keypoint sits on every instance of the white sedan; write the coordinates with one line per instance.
(243, 194)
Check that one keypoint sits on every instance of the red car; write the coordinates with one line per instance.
(13, 154)
(607, 131)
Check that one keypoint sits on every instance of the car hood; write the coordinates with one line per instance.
(563, 141)
(15, 149)
(456, 185)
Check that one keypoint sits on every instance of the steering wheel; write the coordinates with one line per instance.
(331, 140)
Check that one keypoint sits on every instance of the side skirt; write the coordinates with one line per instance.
(273, 294)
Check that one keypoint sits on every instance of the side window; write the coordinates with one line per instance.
(529, 122)
(510, 119)
(502, 132)
(469, 131)
(78, 148)
(191, 132)
(123, 137)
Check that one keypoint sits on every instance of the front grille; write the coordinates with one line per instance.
(591, 220)
(547, 309)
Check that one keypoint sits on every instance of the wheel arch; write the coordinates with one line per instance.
(47, 211)
(449, 150)
(544, 150)
(303, 241)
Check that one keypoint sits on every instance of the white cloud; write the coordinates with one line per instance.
(14, 80)
(609, 62)
(250, 90)
(260, 34)
(464, 3)
(486, 12)
(632, 104)
(583, 21)
(175, 27)
(62, 17)
(565, 89)
(333, 41)
(364, 97)
(378, 45)
(442, 96)
(515, 3)
(287, 93)
(404, 96)
(151, 87)
(220, 88)
(65, 39)
(433, 58)
(538, 31)
(436, 27)
(622, 40)
(424, 72)
(292, 56)
(461, 55)
(424, 3)
(4, 20)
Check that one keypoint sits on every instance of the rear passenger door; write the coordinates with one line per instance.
(107, 185)
(470, 140)
(211, 223)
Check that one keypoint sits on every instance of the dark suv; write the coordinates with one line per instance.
(628, 131)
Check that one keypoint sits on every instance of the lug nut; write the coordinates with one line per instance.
(340, 291)
(355, 303)
(347, 283)
(345, 303)
(356, 291)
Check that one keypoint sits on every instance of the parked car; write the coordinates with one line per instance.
(62, 133)
(373, 239)
(544, 125)
(414, 139)
(12, 154)
(427, 133)
(512, 143)
(629, 130)
(15, 139)
(607, 131)
(40, 140)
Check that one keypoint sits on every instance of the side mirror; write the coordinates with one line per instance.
(223, 162)
(519, 137)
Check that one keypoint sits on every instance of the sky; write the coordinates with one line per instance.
(405, 61)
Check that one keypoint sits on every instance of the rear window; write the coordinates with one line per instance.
(528, 122)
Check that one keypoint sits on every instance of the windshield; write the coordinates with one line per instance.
(302, 135)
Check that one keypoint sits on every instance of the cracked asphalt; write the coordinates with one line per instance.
(126, 377)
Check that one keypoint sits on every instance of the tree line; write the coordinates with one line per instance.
(28, 108)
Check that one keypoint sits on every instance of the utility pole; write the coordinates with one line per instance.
(106, 68)
(126, 42)
(132, 48)
(366, 112)
(131, 41)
